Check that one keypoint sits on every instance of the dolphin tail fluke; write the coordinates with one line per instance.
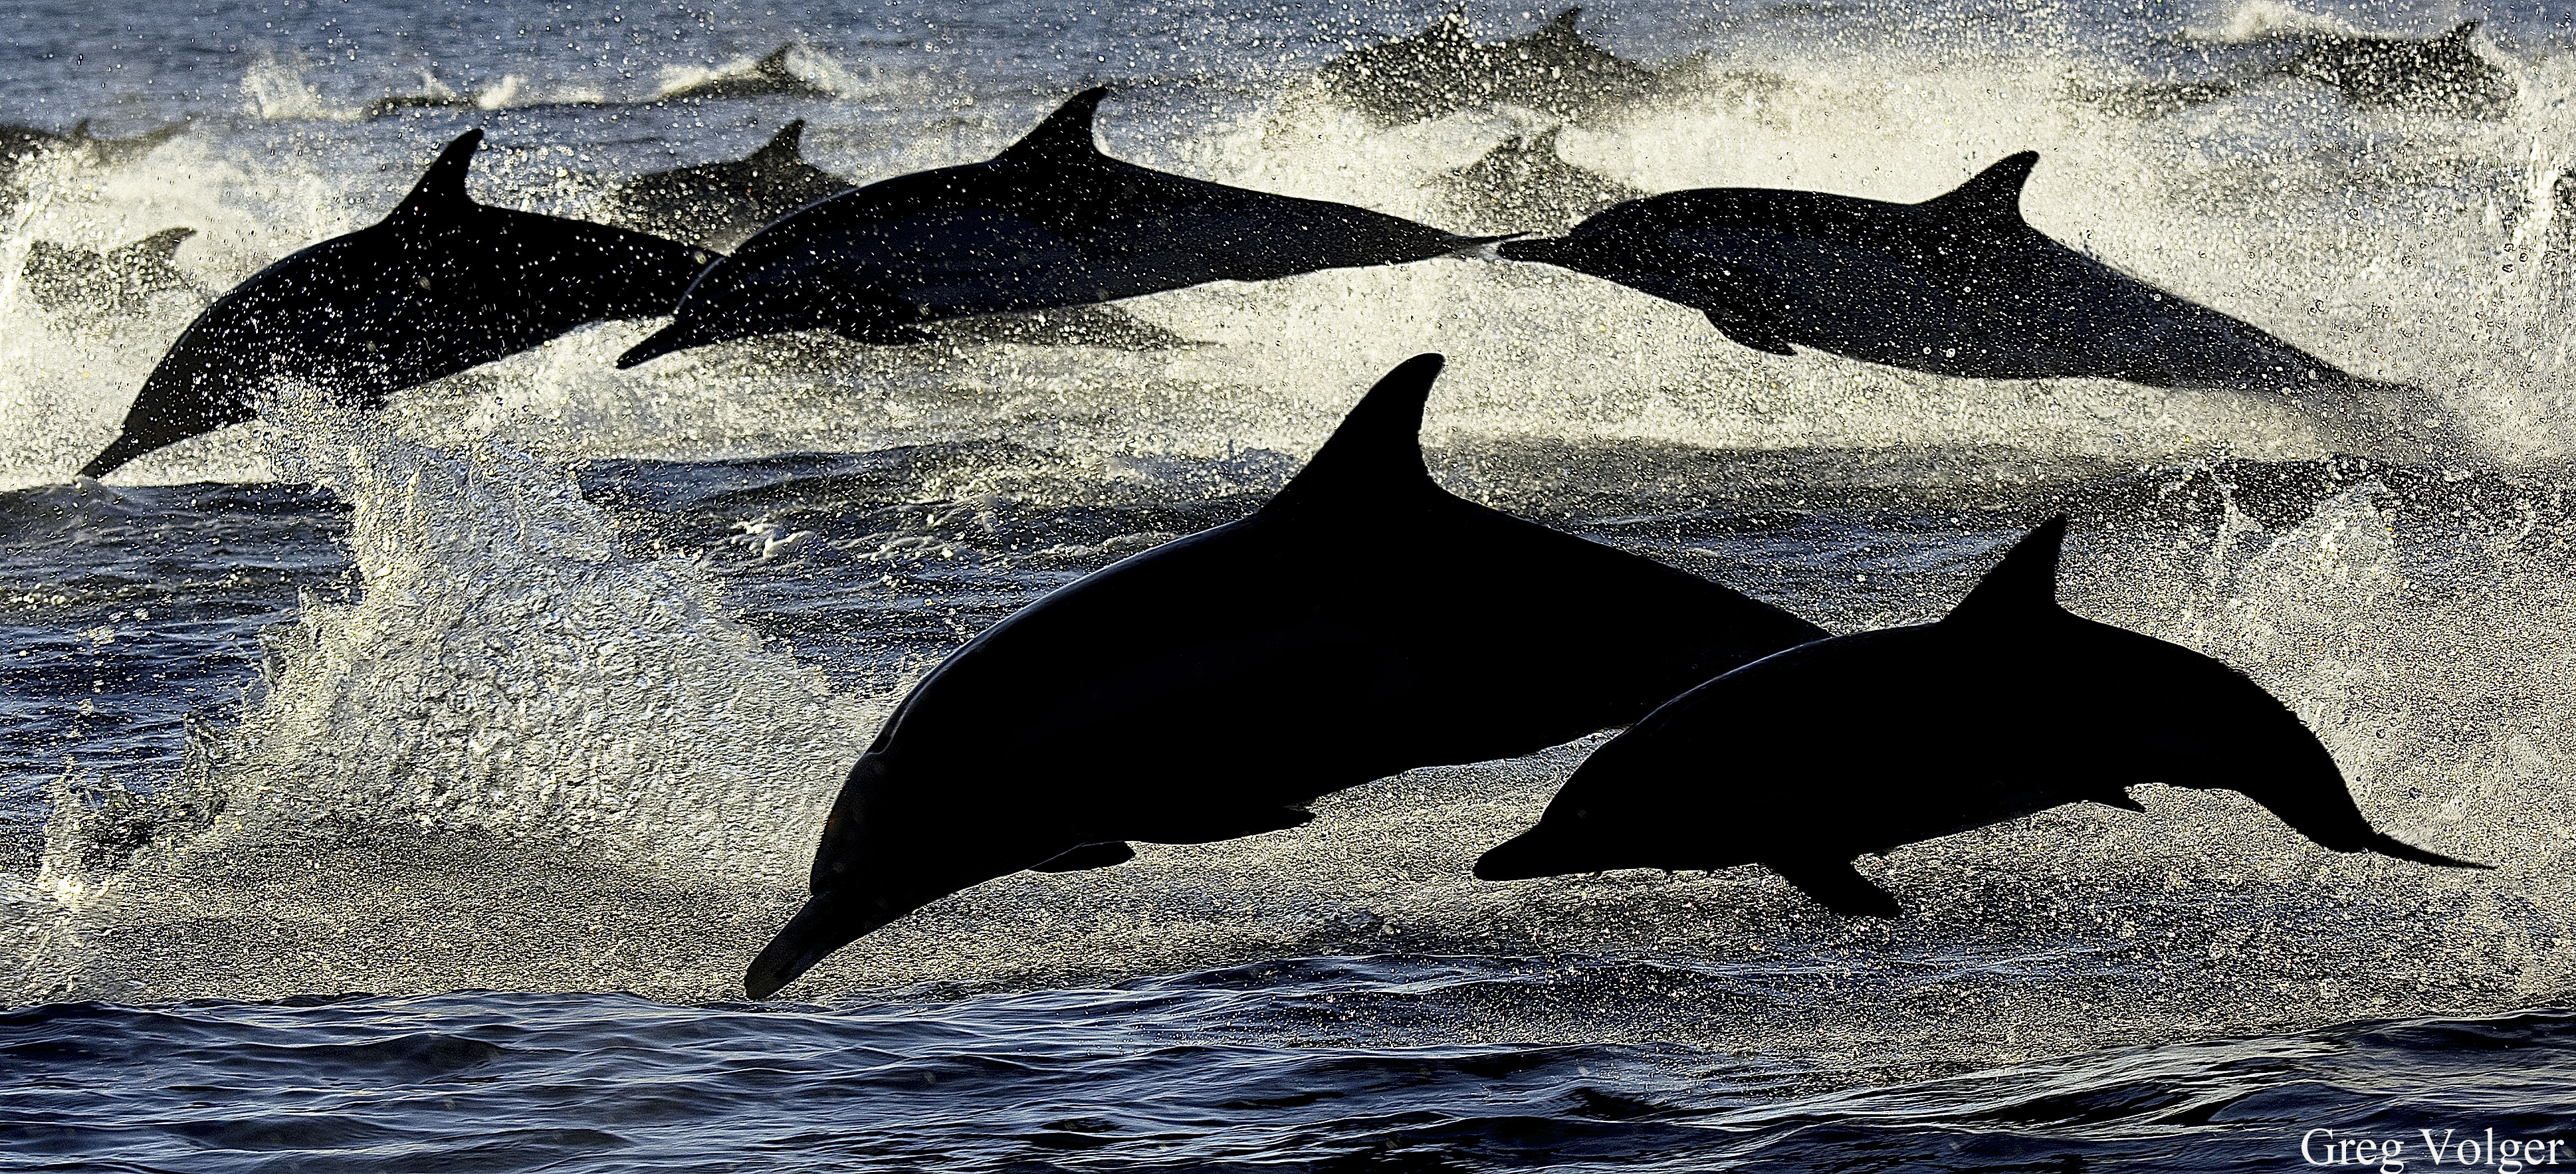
(125, 448)
(1837, 886)
(2388, 845)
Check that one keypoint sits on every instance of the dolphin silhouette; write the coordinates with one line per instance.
(19, 142)
(719, 205)
(1525, 185)
(2007, 706)
(1362, 623)
(116, 283)
(1050, 222)
(1442, 70)
(439, 285)
(769, 78)
(2442, 73)
(1958, 285)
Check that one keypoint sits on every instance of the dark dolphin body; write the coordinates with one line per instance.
(2009, 705)
(1525, 186)
(440, 285)
(21, 145)
(1050, 222)
(2443, 74)
(1362, 623)
(1957, 285)
(1442, 70)
(720, 205)
(113, 284)
(769, 77)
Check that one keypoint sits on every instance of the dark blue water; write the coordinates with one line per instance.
(1180, 1073)
(520, 704)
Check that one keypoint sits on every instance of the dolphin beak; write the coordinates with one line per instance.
(125, 448)
(831, 919)
(825, 924)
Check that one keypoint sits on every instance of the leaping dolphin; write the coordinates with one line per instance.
(2442, 73)
(2007, 706)
(769, 77)
(1362, 623)
(1442, 70)
(1050, 222)
(439, 285)
(719, 205)
(113, 284)
(1959, 285)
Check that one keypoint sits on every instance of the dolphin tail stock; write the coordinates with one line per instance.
(2316, 804)
(1837, 886)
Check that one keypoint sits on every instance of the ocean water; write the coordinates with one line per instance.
(407, 792)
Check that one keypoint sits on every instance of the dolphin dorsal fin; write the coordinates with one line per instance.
(774, 65)
(159, 246)
(1992, 196)
(1065, 135)
(1564, 24)
(2021, 586)
(787, 146)
(1376, 451)
(2460, 35)
(443, 185)
(80, 131)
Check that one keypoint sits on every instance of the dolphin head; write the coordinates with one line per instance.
(877, 861)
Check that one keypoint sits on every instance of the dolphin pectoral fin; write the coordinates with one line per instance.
(1111, 854)
(2387, 845)
(1837, 886)
(1752, 335)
